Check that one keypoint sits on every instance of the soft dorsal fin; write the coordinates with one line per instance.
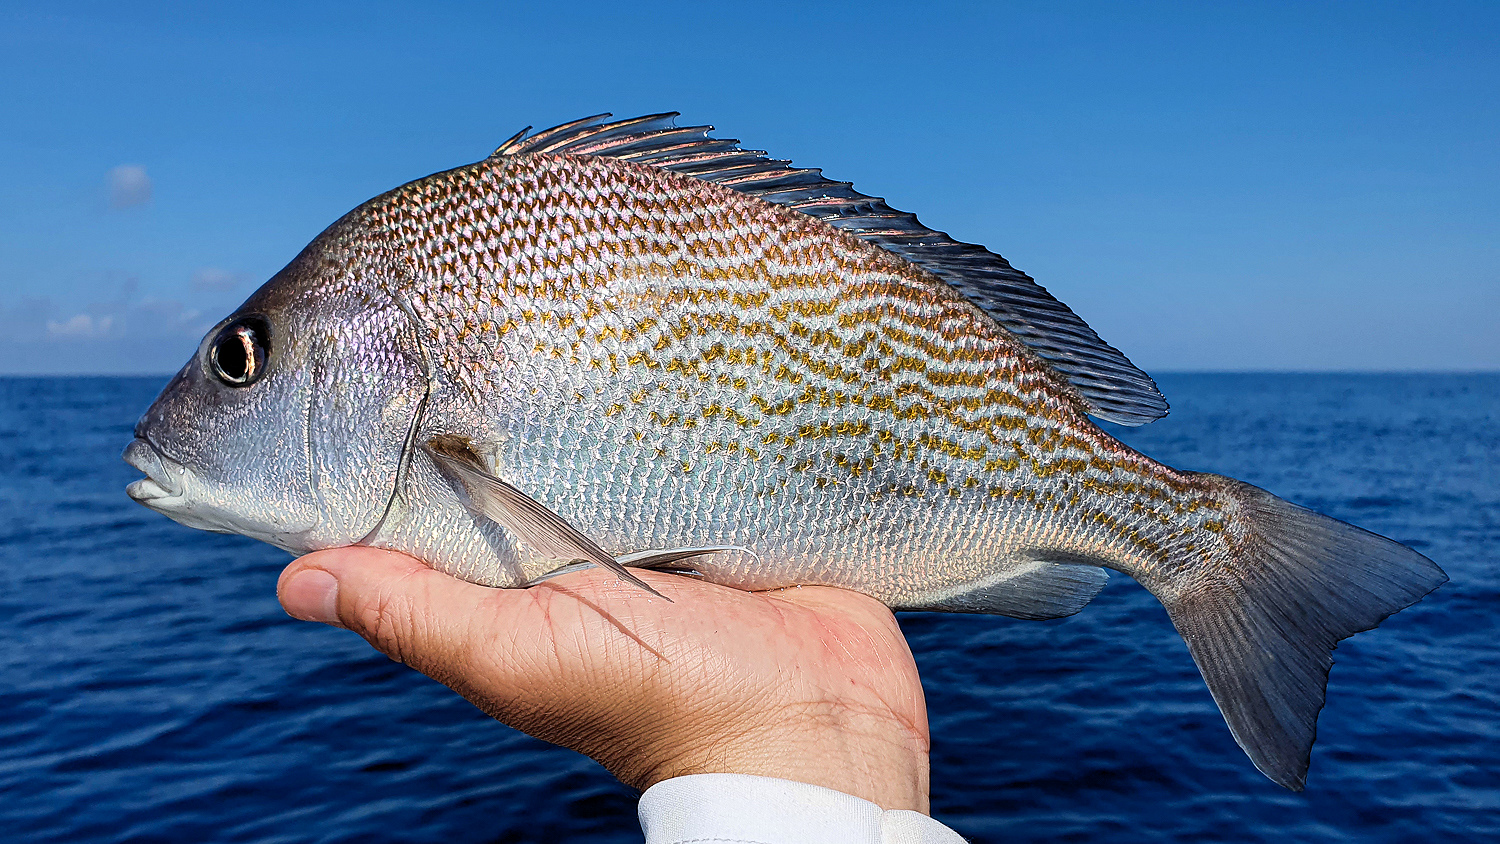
(1110, 384)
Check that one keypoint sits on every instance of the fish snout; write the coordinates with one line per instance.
(161, 481)
(175, 491)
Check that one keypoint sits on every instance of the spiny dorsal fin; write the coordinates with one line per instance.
(1111, 385)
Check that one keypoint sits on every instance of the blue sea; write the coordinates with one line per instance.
(151, 689)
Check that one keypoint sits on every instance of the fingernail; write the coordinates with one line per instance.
(312, 595)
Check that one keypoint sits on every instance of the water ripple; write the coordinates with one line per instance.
(154, 691)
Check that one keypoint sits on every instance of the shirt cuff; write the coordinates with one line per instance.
(741, 809)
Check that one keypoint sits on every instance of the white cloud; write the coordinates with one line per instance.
(216, 280)
(129, 185)
(81, 325)
(43, 319)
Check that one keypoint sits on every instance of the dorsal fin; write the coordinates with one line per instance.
(1112, 386)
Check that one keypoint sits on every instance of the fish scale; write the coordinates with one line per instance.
(862, 379)
(632, 343)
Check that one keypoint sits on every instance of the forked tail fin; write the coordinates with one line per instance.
(1262, 625)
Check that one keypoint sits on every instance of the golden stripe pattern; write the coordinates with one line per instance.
(666, 362)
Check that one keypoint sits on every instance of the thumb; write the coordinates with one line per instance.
(405, 609)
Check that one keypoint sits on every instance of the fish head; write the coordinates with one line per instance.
(291, 423)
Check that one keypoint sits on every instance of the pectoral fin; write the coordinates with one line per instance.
(542, 529)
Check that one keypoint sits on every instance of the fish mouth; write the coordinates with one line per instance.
(163, 481)
(171, 489)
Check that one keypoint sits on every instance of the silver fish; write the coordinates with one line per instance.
(633, 344)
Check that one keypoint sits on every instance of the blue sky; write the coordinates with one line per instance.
(1282, 186)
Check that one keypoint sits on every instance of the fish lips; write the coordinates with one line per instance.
(171, 489)
(161, 484)
(165, 487)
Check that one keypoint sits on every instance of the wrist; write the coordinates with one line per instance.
(871, 757)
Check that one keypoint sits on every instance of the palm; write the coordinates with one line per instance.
(814, 684)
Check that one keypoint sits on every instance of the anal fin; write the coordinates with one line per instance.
(1034, 590)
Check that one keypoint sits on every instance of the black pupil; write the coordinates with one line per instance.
(236, 355)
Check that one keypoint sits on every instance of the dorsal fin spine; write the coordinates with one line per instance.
(1109, 384)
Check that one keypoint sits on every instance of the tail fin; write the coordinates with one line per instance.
(1262, 626)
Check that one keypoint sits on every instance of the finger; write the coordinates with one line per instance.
(399, 605)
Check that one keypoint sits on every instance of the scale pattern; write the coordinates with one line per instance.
(666, 362)
(1110, 385)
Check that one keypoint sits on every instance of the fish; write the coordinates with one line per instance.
(633, 345)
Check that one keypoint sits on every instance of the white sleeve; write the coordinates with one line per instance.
(741, 809)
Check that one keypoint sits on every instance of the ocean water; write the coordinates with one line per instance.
(151, 689)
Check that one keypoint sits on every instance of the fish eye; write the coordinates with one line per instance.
(238, 354)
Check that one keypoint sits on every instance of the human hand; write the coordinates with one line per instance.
(812, 684)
